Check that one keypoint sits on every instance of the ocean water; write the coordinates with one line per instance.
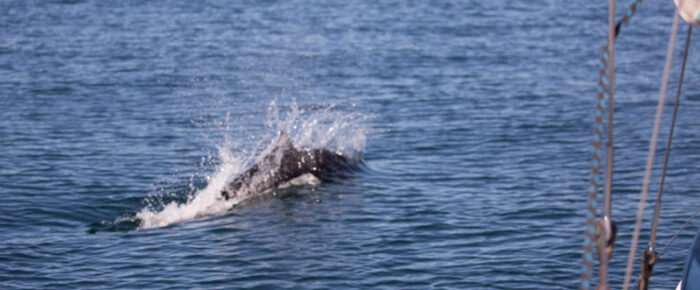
(122, 120)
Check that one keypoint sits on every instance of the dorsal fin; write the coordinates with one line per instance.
(283, 141)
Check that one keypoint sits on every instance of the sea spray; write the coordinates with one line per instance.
(311, 127)
(206, 201)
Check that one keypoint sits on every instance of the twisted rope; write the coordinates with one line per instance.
(596, 154)
(594, 181)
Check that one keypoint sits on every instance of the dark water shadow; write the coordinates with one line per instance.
(120, 225)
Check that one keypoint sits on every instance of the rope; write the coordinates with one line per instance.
(594, 181)
(652, 151)
(687, 222)
(657, 211)
(679, 231)
(596, 156)
(605, 224)
(631, 126)
(626, 18)
(650, 257)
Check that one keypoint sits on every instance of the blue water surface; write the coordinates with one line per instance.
(477, 118)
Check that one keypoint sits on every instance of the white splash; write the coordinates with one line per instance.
(316, 128)
(203, 202)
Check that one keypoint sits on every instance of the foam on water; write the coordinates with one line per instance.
(325, 127)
